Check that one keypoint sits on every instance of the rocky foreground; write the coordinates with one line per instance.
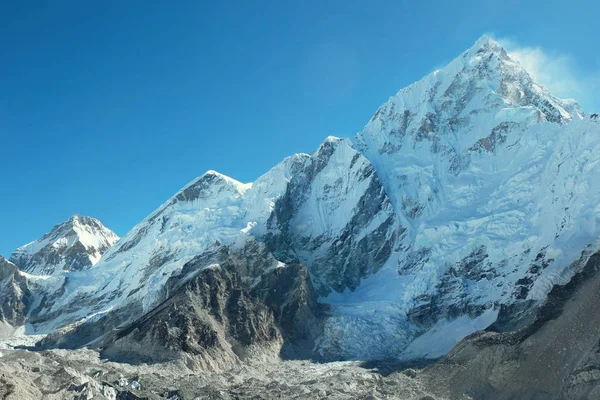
(552, 353)
(80, 374)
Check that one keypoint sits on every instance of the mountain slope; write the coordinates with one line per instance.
(469, 190)
(215, 316)
(485, 170)
(556, 356)
(73, 245)
(215, 210)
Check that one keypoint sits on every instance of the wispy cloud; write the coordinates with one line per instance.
(559, 73)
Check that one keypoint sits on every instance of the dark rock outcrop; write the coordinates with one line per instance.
(15, 296)
(337, 259)
(554, 356)
(225, 306)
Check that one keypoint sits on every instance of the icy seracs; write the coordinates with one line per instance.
(469, 189)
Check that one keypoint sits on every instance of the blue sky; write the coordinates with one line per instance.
(108, 108)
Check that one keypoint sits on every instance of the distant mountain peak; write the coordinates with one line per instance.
(73, 245)
(484, 39)
(207, 185)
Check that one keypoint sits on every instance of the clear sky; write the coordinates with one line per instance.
(107, 108)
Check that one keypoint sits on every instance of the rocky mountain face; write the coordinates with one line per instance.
(555, 355)
(74, 245)
(463, 201)
(37, 270)
(335, 216)
(15, 297)
(223, 307)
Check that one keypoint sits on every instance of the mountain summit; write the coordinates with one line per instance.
(73, 245)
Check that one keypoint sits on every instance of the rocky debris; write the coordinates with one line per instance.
(80, 374)
(555, 356)
(74, 245)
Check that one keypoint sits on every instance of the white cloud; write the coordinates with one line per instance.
(557, 72)
(554, 72)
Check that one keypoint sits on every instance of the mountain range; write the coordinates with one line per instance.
(467, 198)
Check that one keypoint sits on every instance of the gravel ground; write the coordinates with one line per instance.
(80, 374)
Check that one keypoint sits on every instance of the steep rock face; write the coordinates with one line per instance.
(223, 307)
(335, 217)
(74, 245)
(15, 296)
(212, 322)
(555, 356)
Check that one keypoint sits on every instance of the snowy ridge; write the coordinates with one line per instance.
(469, 189)
(199, 217)
(214, 210)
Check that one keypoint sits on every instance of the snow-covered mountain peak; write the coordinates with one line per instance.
(78, 222)
(485, 39)
(482, 83)
(331, 139)
(73, 245)
(486, 45)
(434, 129)
(208, 185)
(330, 144)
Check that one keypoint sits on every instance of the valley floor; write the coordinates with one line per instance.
(80, 374)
